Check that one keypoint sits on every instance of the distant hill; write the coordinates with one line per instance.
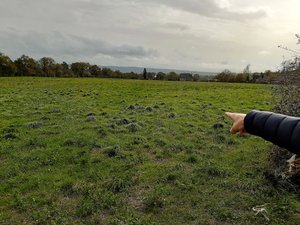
(139, 70)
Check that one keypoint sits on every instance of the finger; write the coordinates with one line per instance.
(230, 115)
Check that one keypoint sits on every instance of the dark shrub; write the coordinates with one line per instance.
(286, 96)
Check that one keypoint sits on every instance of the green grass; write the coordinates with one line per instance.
(101, 151)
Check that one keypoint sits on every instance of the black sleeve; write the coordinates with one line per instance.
(282, 130)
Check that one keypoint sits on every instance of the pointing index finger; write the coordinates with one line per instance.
(229, 115)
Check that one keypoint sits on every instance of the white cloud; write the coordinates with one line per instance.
(264, 52)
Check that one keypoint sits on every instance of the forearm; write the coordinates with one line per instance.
(281, 130)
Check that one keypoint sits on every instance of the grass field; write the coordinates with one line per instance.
(101, 151)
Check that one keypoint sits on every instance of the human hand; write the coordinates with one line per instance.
(238, 122)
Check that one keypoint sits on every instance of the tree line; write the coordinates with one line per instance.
(47, 67)
(246, 76)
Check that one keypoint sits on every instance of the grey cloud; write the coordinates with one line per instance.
(92, 46)
(58, 44)
(177, 26)
(224, 63)
(210, 8)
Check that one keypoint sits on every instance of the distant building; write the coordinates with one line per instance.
(186, 77)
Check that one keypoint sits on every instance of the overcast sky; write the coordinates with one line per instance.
(202, 35)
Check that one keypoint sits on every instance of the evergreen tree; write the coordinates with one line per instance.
(145, 74)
